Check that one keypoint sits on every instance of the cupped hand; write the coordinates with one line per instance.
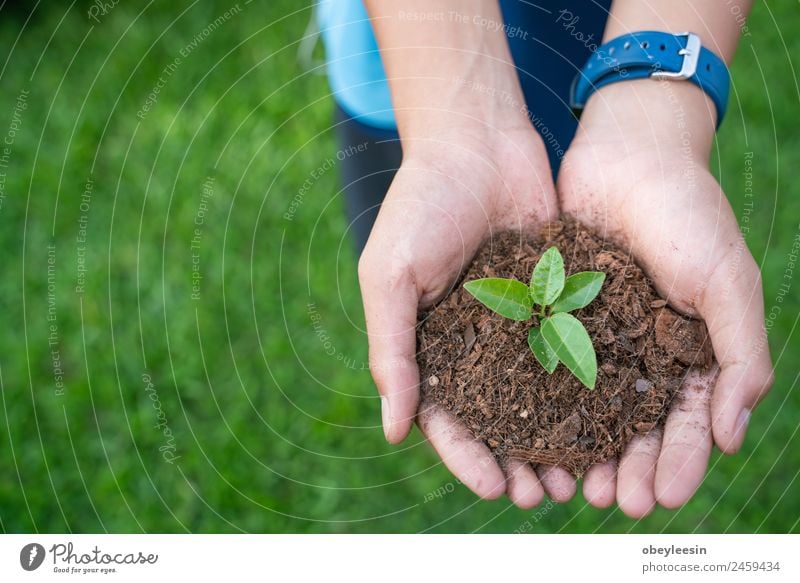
(637, 173)
(452, 192)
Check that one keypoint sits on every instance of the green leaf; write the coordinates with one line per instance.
(579, 290)
(542, 351)
(570, 341)
(547, 280)
(507, 297)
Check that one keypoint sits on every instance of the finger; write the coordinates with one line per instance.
(687, 442)
(467, 458)
(635, 495)
(523, 487)
(390, 306)
(558, 483)
(600, 484)
(732, 307)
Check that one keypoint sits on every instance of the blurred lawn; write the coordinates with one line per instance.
(261, 381)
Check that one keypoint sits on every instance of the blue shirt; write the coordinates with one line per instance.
(354, 67)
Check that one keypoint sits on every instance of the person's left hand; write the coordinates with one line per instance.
(637, 173)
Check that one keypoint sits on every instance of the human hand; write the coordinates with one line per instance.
(472, 165)
(453, 191)
(637, 172)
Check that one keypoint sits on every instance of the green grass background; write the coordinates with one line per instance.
(272, 410)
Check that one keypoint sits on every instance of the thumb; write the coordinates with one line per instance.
(391, 299)
(733, 308)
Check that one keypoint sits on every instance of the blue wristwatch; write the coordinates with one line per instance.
(658, 55)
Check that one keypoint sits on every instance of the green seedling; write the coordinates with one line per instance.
(550, 296)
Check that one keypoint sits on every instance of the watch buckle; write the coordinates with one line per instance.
(690, 54)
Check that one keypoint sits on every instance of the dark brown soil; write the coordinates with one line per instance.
(477, 364)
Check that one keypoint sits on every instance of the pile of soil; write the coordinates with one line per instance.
(477, 364)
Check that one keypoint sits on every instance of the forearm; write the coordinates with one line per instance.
(667, 112)
(716, 22)
(448, 64)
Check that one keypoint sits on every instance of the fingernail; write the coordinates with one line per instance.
(385, 417)
(741, 425)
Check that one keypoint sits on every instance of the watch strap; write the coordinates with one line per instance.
(658, 55)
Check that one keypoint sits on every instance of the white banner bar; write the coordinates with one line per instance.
(389, 558)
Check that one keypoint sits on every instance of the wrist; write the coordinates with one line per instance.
(651, 115)
(472, 103)
(448, 133)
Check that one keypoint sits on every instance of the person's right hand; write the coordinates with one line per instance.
(451, 193)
